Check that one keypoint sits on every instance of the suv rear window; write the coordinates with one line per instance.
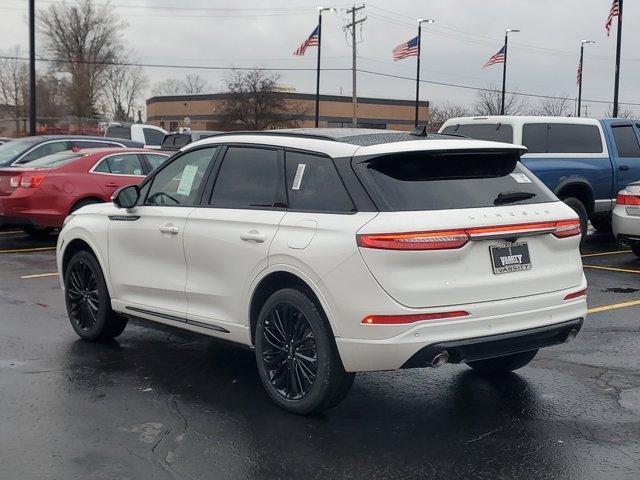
(494, 132)
(448, 180)
(561, 138)
(118, 131)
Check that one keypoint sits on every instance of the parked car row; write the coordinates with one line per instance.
(43, 179)
(330, 252)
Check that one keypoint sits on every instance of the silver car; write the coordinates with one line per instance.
(626, 217)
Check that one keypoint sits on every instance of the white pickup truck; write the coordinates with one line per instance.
(150, 135)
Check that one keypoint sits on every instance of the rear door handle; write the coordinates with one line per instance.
(111, 185)
(169, 229)
(623, 168)
(253, 236)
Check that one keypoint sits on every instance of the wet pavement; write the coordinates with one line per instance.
(161, 403)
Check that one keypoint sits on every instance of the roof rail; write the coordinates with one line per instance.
(282, 133)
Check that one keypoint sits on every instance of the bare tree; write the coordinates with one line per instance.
(623, 114)
(14, 85)
(438, 114)
(192, 84)
(489, 101)
(255, 102)
(553, 107)
(123, 87)
(51, 97)
(84, 38)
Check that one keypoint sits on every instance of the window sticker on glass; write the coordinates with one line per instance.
(137, 171)
(521, 178)
(186, 180)
(297, 180)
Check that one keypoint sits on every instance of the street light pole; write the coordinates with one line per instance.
(32, 67)
(581, 67)
(320, 10)
(618, 47)
(504, 66)
(420, 22)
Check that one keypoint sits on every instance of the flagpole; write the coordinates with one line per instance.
(420, 22)
(318, 67)
(618, 48)
(504, 66)
(582, 44)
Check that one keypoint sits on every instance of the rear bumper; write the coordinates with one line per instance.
(490, 346)
(625, 226)
(20, 212)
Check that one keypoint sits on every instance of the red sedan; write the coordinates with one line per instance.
(39, 196)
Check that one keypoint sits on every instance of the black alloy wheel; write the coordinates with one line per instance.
(290, 354)
(83, 296)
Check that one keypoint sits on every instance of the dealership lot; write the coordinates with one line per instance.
(164, 403)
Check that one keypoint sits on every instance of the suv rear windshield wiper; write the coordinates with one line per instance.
(512, 197)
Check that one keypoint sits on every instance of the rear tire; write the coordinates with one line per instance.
(503, 365)
(296, 355)
(578, 207)
(602, 224)
(635, 248)
(84, 203)
(37, 232)
(88, 302)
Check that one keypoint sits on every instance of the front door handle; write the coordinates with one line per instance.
(170, 230)
(623, 168)
(253, 236)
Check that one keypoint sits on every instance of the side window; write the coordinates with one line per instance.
(534, 137)
(156, 160)
(46, 149)
(248, 177)
(118, 131)
(179, 181)
(571, 138)
(626, 141)
(313, 184)
(152, 136)
(92, 144)
(120, 165)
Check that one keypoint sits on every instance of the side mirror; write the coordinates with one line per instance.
(126, 197)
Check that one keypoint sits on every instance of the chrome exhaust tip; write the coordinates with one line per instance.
(571, 335)
(440, 359)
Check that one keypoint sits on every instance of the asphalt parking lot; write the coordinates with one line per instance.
(161, 403)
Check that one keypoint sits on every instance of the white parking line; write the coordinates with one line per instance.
(39, 275)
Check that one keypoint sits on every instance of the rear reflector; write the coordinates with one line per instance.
(406, 319)
(581, 293)
(452, 239)
(31, 181)
(626, 199)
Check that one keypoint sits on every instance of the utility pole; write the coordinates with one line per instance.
(32, 67)
(618, 48)
(581, 72)
(352, 26)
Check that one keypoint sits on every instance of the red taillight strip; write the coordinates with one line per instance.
(627, 199)
(578, 294)
(407, 319)
(452, 239)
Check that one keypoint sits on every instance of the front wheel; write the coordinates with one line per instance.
(88, 302)
(503, 365)
(296, 355)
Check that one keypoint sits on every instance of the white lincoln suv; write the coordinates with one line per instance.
(331, 252)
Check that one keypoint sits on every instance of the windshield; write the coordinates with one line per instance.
(9, 152)
(56, 159)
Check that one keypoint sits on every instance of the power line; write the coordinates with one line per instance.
(273, 69)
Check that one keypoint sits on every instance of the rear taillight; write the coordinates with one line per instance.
(452, 239)
(406, 319)
(577, 294)
(627, 199)
(31, 181)
(14, 182)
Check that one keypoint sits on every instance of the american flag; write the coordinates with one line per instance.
(579, 75)
(312, 41)
(614, 12)
(497, 58)
(407, 49)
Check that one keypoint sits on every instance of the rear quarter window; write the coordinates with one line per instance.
(414, 181)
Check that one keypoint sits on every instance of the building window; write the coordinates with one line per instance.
(173, 126)
(161, 124)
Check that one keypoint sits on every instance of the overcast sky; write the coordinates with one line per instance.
(542, 58)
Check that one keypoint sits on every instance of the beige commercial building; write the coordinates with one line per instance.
(206, 112)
